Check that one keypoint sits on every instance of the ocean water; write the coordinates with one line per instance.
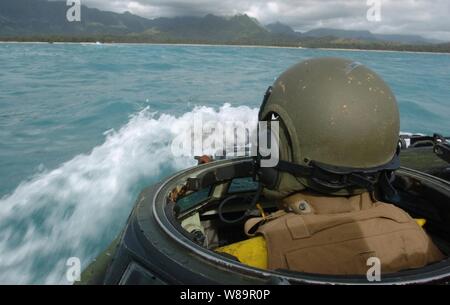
(84, 127)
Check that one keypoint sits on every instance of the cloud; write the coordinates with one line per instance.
(423, 17)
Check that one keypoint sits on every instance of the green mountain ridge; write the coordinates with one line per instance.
(41, 20)
(369, 36)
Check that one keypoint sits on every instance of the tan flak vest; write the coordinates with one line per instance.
(337, 235)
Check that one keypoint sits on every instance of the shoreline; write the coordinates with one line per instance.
(382, 51)
(221, 45)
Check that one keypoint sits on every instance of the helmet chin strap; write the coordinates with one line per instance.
(333, 178)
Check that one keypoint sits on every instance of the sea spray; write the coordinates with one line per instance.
(76, 209)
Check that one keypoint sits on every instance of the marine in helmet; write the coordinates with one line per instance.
(338, 150)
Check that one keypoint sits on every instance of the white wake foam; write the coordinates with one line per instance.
(76, 209)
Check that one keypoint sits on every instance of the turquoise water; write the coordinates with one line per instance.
(84, 127)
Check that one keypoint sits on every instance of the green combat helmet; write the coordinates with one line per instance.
(339, 129)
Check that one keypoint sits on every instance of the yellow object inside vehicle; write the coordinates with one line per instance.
(251, 252)
(421, 222)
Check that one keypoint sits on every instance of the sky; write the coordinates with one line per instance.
(429, 18)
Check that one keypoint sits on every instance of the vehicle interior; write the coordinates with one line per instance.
(198, 210)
